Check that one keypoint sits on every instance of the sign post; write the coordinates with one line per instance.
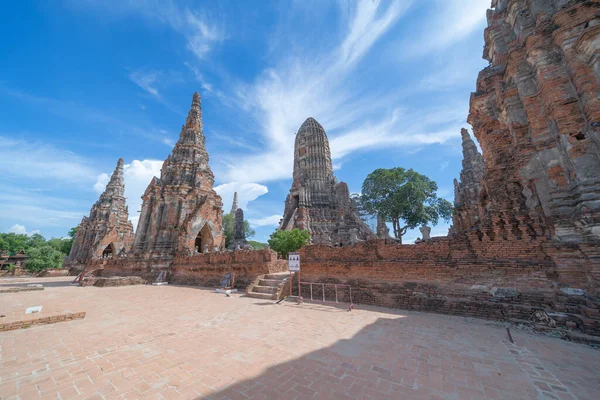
(294, 266)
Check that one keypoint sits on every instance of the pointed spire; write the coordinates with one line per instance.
(469, 149)
(194, 118)
(116, 185)
(234, 206)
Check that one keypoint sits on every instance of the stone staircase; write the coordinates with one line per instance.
(268, 287)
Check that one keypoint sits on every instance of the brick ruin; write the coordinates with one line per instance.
(317, 202)
(525, 242)
(181, 212)
(526, 234)
(238, 241)
(107, 232)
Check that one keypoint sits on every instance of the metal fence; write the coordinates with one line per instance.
(325, 287)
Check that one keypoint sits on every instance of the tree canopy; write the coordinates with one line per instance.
(284, 242)
(40, 251)
(43, 257)
(403, 197)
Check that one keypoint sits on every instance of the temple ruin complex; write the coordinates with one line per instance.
(107, 232)
(317, 203)
(525, 240)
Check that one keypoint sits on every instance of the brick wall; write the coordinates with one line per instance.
(492, 280)
(199, 270)
(210, 269)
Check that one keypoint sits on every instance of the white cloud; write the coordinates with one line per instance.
(137, 176)
(146, 79)
(247, 192)
(18, 229)
(101, 182)
(38, 160)
(272, 220)
(75, 111)
(40, 216)
(199, 31)
(447, 23)
(316, 84)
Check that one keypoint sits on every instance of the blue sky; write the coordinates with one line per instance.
(84, 82)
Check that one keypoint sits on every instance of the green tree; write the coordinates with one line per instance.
(405, 198)
(284, 242)
(13, 242)
(228, 226)
(43, 257)
(73, 232)
(34, 241)
(66, 244)
(257, 245)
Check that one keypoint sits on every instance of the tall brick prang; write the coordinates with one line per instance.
(107, 232)
(317, 202)
(181, 212)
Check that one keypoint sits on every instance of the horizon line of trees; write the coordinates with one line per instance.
(41, 253)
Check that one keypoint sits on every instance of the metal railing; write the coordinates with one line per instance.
(323, 286)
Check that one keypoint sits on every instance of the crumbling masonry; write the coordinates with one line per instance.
(107, 232)
(317, 202)
(525, 244)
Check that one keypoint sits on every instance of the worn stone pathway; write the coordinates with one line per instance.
(180, 342)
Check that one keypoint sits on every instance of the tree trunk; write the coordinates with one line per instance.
(395, 225)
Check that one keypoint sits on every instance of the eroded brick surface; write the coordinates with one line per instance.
(132, 344)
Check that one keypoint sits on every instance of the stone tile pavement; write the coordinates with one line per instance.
(180, 342)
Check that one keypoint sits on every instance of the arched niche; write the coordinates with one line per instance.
(204, 238)
(109, 251)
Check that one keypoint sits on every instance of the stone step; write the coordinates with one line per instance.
(265, 289)
(270, 282)
(278, 277)
(265, 296)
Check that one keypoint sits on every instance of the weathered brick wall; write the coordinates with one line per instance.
(490, 280)
(200, 270)
(54, 272)
(113, 281)
(209, 269)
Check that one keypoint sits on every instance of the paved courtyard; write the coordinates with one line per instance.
(181, 342)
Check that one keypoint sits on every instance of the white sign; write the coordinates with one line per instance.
(32, 310)
(294, 262)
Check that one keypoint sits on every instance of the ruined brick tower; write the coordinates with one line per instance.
(316, 202)
(107, 232)
(181, 213)
(536, 115)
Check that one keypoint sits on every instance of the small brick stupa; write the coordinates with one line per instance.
(107, 232)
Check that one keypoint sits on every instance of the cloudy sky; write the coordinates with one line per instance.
(84, 82)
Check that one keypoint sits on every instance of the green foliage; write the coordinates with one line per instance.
(257, 245)
(73, 232)
(406, 196)
(35, 240)
(228, 226)
(43, 257)
(284, 242)
(13, 242)
(62, 245)
(41, 252)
